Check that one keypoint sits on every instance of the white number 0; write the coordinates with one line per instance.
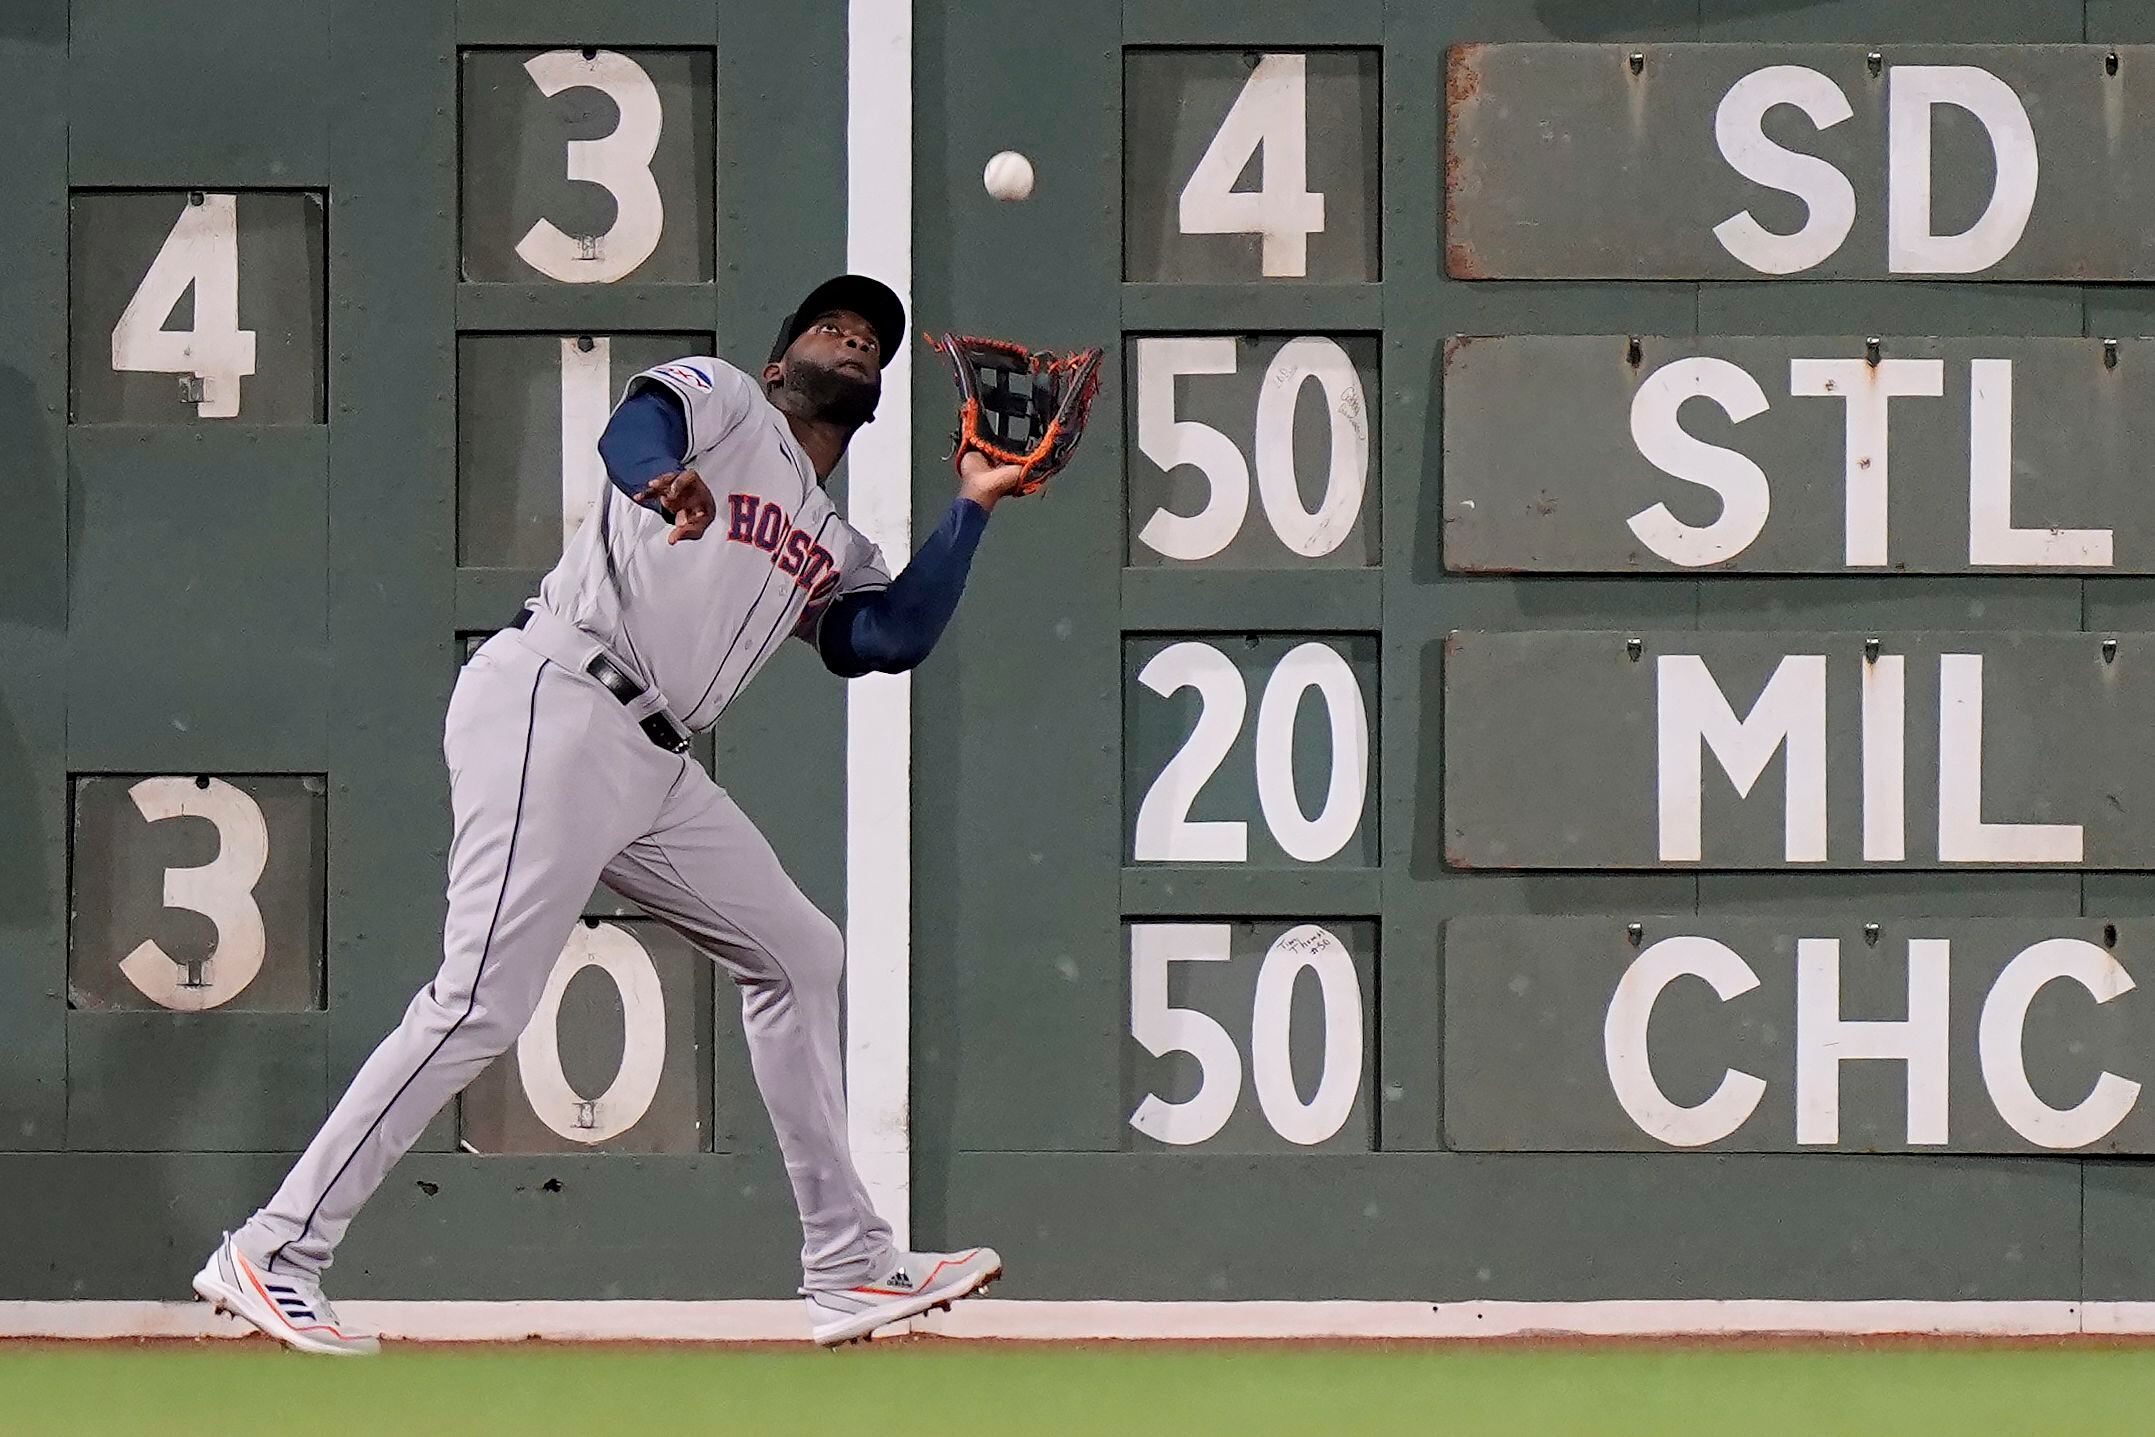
(621, 162)
(614, 951)
(1163, 1028)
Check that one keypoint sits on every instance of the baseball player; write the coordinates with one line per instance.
(566, 742)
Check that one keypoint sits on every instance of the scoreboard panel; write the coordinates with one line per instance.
(1910, 160)
(1580, 1034)
(2024, 443)
(137, 256)
(301, 333)
(1547, 342)
(1534, 757)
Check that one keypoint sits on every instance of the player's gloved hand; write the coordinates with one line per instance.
(1018, 406)
(984, 481)
(684, 496)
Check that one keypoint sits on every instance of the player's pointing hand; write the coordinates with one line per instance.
(684, 496)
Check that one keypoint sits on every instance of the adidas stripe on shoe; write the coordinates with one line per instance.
(285, 1306)
(915, 1283)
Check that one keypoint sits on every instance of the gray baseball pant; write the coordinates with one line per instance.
(555, 788)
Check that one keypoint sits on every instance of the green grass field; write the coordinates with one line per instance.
(1635, 1391)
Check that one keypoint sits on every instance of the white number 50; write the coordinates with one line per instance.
(1163, 1028)
(1170, 442)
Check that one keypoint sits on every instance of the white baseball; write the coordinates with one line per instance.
(1009, 176)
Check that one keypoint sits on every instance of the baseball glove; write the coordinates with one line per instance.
(1019, 406)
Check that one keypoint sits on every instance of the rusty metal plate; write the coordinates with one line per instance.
(1583, 454)
(1585, 750)
(1850, 1032)
(1752, 161)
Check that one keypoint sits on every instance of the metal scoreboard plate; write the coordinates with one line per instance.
(1717, 750)
(1256, 749)
(588, 165)
(1181, 105)
(240, 278)
(1621, 161)
(1812, 1032)
(530, 408)
(1585, 454)
(1288, 476)
(1294, 1001)
(193, 892)
(618, 1058)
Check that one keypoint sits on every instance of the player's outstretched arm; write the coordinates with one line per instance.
(894, 629)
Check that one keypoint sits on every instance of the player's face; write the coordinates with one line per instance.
(835, 368)
(843, 341)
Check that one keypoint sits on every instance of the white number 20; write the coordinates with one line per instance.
(202, 253)
(1270, 112)
(1163, 1028)
(1164, 831)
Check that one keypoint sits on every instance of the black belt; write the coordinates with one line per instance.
(658, 727)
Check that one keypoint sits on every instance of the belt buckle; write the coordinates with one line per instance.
(658, 727)
(663, 731)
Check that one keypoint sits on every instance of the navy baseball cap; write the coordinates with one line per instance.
(871, 299)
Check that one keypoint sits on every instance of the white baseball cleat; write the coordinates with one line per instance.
(916, 1282)
(286, 1306)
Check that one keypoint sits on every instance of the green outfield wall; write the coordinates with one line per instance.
(1577, 730)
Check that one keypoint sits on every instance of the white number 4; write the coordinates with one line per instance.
(1270, 112)
(202, 251)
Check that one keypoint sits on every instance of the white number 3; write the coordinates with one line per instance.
(202, 251)
(221, 890)
(621, 162)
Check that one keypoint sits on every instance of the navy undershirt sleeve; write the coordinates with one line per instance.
(647, 437)
(892, 630)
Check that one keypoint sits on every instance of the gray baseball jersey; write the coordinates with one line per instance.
(555, 788)
(697, 620)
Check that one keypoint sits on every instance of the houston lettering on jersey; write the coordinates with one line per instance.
(764, 525)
